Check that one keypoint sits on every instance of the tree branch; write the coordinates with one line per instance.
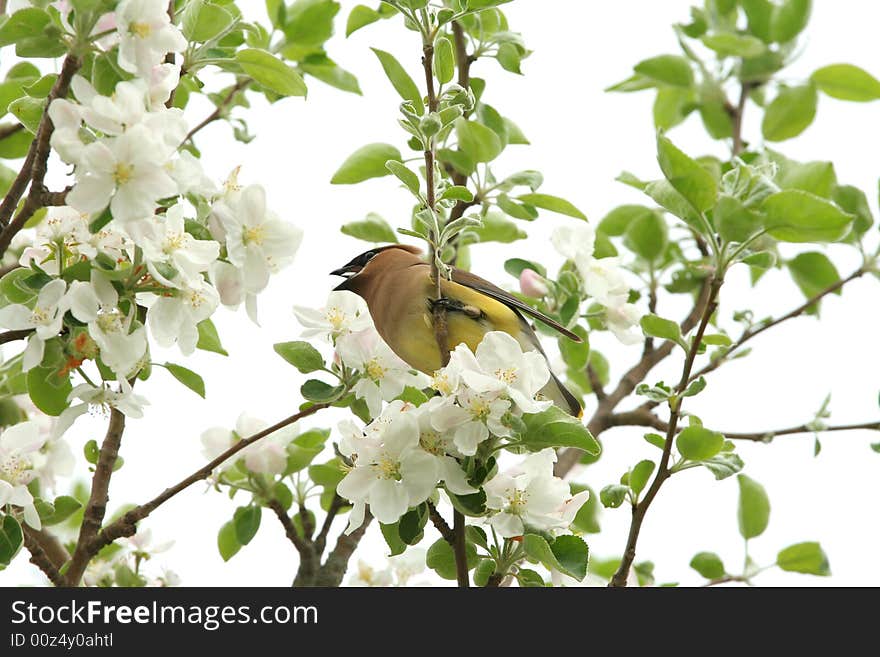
(96, 507)
(333, 569)
(663, 471)
(127, 524)
(9, 129)
(766, 436)
(219, 111)
(321, 538)
(44, 554)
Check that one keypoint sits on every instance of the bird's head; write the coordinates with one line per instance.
(361, 268)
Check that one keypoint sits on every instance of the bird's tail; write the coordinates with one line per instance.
(562, 397)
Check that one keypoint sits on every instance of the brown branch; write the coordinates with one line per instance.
(220, 110)
(333, 569)
(766, 436)
(96, 507)
(663, 472)
(440, 523)
(12, 336)
(33, 171)
(127, 524)
(41, 546)
(595, 383)
(726, 579)
(459, 549)
(321, 538)
(736, 114)
(309, 562)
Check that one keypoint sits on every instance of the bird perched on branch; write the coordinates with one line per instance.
(400, 292)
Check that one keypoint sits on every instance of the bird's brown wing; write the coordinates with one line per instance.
(473, 281)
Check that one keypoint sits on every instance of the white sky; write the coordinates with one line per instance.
(582, 138)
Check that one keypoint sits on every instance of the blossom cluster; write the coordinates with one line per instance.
(147, 246)
(602, 280)
(399, 459)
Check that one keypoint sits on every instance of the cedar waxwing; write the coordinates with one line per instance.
(397, 285)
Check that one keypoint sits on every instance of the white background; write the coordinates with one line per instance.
(582, 138)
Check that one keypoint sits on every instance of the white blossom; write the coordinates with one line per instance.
(345, 312)
(175, 319)
(622, 320)
(45, 318)
(167, 243)
(18, 444)
(146, 35)
(529, 498)
(101, 399)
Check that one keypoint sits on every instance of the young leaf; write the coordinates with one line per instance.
(556, 428)
(359, 17)
(572, 555)
(796, 216)
(302, 355)
(365, 163)
(708, 564)
(11, 539)
(659, 327)
(441, 559)
(227, 541)
(188, 378)
(247, 522)
(400, 79)
(477, 141)
(444, 60)
(209, 339)
(552, 203)
(647, 235)
(847, 82)
(698, 443)
(807, 558)
(753, 513)
(270, 72)
(371, 229)
(674, 70)
(790, 113)
(813, 272)
(612, 495)
(640, 474)
(686, 175)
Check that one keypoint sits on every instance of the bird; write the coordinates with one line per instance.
(398, 287)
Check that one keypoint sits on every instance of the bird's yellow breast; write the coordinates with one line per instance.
(412, 335)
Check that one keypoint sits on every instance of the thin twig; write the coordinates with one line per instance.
(127, 524)
(663, 472)
(333, 569)
(321, 538)
(440, 523)
(9, 129)
(218, 112)
(41, 559)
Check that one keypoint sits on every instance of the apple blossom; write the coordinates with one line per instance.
(100, 399)
(97, 304)
(344, 313)
(384, 374)
(146, 35)
(392, 475)
(442, 447)
(532, 284)
(621, 321)
(46, 318)
(528, 497)
(18, 444)
(175, 319)
(167, 243)
(472, 420)
(266, 456)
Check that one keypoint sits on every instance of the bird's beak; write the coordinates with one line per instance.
(348, 271)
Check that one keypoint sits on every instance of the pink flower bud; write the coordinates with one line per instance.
(532, 284)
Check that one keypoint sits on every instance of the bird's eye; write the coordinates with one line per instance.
(368, 256)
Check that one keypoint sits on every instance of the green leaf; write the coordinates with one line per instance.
(724, 465)
(539, 550)
(318, 391)
(188, 378)
(647, 236)
(441, 559)
(672, 105)
(789, 19)
(371, 229)
(708, 564)
(730, 44)
(247, 522)
(365, 163)
(403, 173)
(478, 142)
(270, 72)
(528, 578)
(807, 558)
(790, 113)
(587, 518)
(816, 177)
(674, 70)
(209, 339)
(640, 474)
(572, 555)
(796, 216)
(734, 221)
(227, 541)
(302, 355)
(753, 513)
(658, 327)
(847, 82)
(11, 539)
(496, 228)
(47, 387)
(202, 21)
(310, 22)
(853, 200)
(444, 60)
(360, 16)
(698, 443)
(575, 354)
(22, 24)
(62, 508)
(556, 428)
(613, 495)
(28, 111)
(514, 267)
(813, 272)
(330, 73)
(391, 533)
(552, 203)
(615, 223)
(484, 570)
(400, 79)
(686, 175)
(411, 525)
